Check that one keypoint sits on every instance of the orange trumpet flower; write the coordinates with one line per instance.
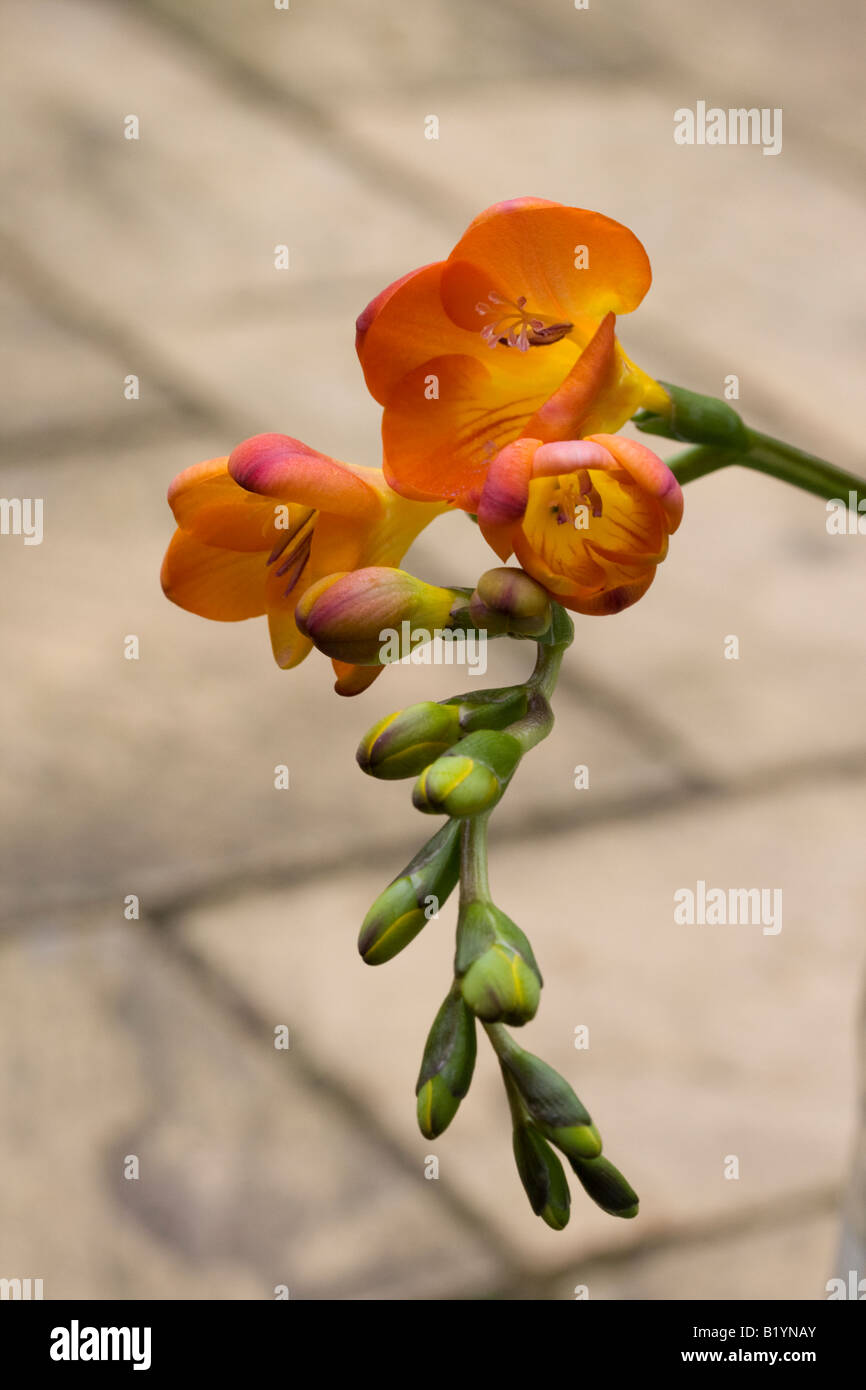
(511, 337)
(257, 529)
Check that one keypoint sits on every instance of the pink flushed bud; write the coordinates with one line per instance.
(507, 600)
(373, 616)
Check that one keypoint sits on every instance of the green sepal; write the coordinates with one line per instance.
(696, 419)
(490, 709)
(561, 630)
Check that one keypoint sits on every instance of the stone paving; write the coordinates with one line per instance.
(155, 777)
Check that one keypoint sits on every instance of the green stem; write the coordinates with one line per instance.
(721, 439)
(795, 466)
(697, 462)
(473, 859)
(538, 720)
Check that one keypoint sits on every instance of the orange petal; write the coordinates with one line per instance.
(649, 471)
(529, 247)
(405, 326)
(442, 447)
(289, 646)
(505, 494)
(207, 501)
(353, 680)
(227, 585)
(276, 465)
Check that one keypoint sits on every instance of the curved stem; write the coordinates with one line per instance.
(538, 720)
(473, 859)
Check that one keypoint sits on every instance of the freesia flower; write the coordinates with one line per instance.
(511, 337)
(589, 519)
(257, 529)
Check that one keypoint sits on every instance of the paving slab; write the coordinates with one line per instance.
(249, 1177)
(193, 208)
(706, 1042)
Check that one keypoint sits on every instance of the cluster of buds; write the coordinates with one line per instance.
(377, 615)
(463, 752)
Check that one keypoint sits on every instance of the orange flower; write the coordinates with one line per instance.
(512, 337)
(589, 518)
(257, 529)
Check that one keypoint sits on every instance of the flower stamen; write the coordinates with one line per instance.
(517, 326)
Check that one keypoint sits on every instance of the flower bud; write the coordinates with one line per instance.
(373, 616)
(403, 744)
(552, 1103)
(606, 1186)
(471, 777)
(407, 904)
(499, 976)
(446, 1067)
(508, 600)
(543, 1177)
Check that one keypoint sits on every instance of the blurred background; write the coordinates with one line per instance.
(154, 777)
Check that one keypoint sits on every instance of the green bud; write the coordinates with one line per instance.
(490, 709)
(551, 1102)
(499, 974)
(606, 1186)
(446, 1067)
(543, 1177)
(501, 988)
(507, 600)
(403, 744)
(406, 905)
(471, 777)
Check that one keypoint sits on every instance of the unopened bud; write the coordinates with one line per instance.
(360, 616)
(552, 1103)
(447, 1066)
(471, 777)
(499, 975)
(399, 913)
(606, 1186)
(507, 600)
(543, 1177)
(403, 744)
